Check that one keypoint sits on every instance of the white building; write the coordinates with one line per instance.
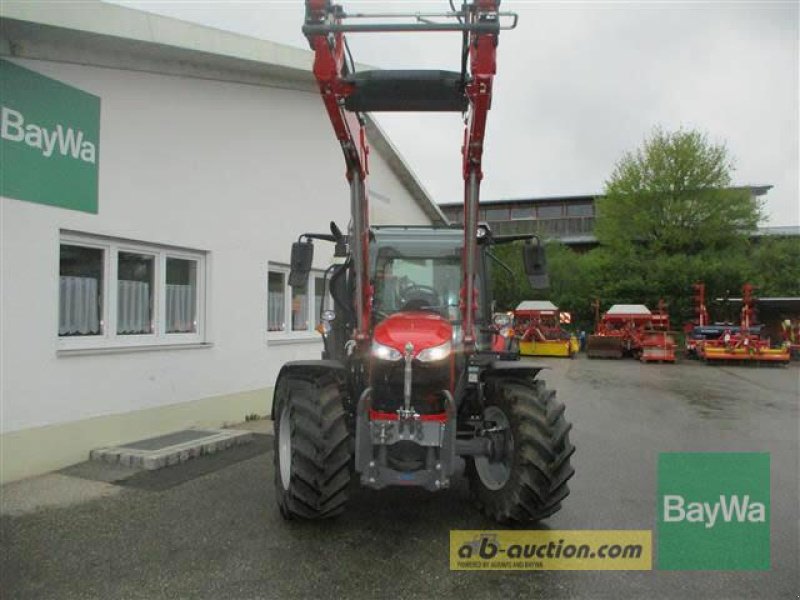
(144, 258)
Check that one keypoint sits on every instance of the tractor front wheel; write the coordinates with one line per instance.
(313, 448)
(525, 478)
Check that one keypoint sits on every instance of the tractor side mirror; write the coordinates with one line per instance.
(302, 258)
(535, 261)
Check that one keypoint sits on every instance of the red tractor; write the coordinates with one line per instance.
(408, 390)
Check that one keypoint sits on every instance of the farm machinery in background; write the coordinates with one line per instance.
(537, 325)
(632, 330)
(727, 342)
(790, 330)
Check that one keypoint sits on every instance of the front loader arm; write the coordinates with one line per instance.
(347, 95)
(330, 68)
(482, 55)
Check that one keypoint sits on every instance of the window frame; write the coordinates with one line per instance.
(550, 206)
(529, 216)
(497, 209)
(581, 214)
(109, 338)
(289, 335)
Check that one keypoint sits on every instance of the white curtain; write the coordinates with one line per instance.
(275, 311)
(300, 311)
(133, 306)
(78, 306)
(317, 306)
(180, 308)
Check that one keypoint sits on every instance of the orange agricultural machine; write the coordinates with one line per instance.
(537, 325)
(632, 330)
(744, 343)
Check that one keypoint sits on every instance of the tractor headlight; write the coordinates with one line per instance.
(436, 353)
(382, 352)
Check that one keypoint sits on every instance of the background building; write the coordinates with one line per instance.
(569, 219)
(154, 176)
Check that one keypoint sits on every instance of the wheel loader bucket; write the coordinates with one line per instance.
(604, 346)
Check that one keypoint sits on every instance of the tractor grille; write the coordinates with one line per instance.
(427, 383)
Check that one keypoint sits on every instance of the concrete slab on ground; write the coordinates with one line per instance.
(171, 449)
(264, 426)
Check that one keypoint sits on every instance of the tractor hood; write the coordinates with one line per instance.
(423, 329)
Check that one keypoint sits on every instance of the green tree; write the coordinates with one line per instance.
(674, 195)
(669, 218)
(774, 267)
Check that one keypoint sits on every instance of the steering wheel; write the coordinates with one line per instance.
(418, 297)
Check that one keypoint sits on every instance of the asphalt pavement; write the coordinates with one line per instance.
(210, 528)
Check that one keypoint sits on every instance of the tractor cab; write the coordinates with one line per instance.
(418, 270)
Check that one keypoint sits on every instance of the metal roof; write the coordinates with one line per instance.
(536, 305)
(756, 190)
(780, 231)
(94, 33)
(525, 201)
(628, 309)
(790, 304)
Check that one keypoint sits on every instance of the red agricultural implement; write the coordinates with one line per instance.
(538, 327)
(745, 343)
(632, 330)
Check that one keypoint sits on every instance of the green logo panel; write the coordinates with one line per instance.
(713, 511)
(49, 140)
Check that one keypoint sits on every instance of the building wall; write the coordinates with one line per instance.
(237, 171)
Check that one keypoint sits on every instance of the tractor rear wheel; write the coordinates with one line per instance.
(526, 478)
(313, 448)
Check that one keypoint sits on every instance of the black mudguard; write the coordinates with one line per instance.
(314, 367)
(512, 369)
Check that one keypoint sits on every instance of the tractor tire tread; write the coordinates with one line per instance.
(541, 466)
(322, 457)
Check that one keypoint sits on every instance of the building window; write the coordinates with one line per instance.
(181, 295)
(497, 214)
(548, 211)
(580, 210)
(521, 212)
(298, 306)
(456, 215)
(80, 300)
(275, 301)
(321, 299)
(119, 293)
(135, 287)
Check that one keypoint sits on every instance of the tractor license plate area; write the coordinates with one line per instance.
(424, 433)
(406, 449)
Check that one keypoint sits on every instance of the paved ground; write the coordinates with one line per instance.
(210, 529)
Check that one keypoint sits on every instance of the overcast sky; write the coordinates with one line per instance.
(579, 83)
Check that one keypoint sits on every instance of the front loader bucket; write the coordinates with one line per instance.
(604, 346)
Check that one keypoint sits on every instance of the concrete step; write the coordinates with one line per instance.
(172, 448)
